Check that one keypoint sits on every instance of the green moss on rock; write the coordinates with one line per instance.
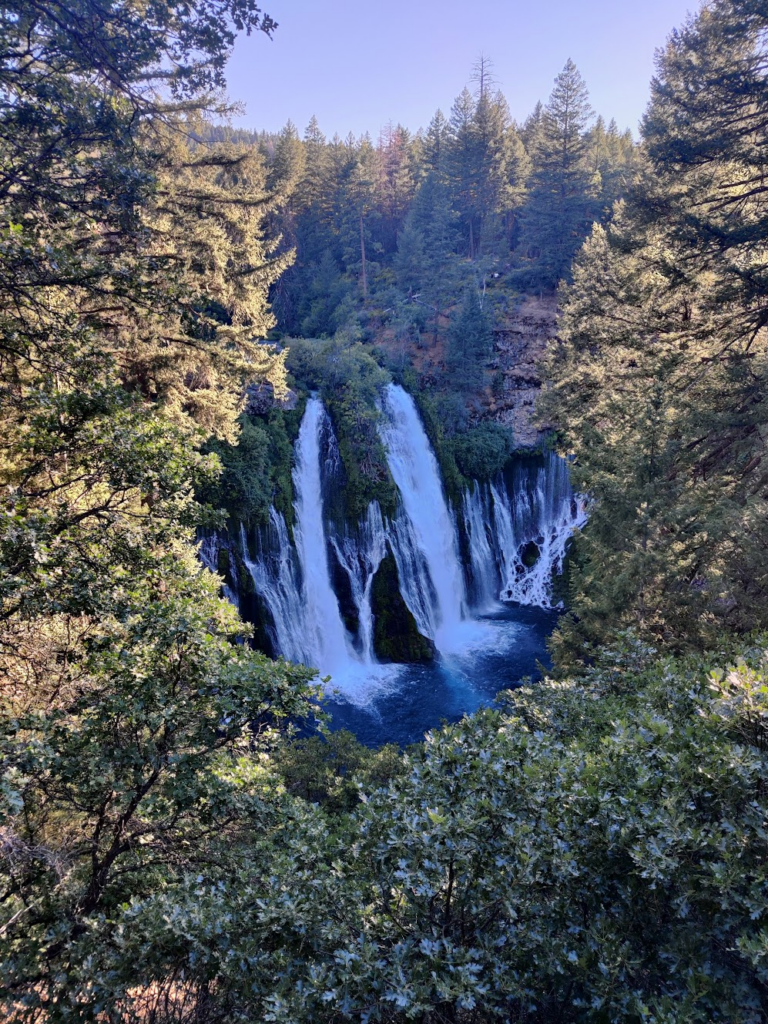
(222, 562)
(395, 634)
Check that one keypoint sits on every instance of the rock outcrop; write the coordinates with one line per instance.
(519, 344)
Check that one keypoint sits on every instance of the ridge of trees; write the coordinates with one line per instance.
(659, 381)
(407, 221)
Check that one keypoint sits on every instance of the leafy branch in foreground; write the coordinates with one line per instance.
(134, 270)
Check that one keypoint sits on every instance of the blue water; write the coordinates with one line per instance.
(401, 703)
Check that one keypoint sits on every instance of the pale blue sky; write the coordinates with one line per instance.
(357, 64)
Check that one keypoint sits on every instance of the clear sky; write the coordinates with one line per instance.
(358, 64)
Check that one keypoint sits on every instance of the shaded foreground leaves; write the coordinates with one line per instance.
(596, 850)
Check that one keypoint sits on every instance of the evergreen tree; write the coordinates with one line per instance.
(661, 381)
(356, 209)
(410, 258)
(529, 133)
(556, 217)
(289, 162)
(396, 185)
(133, 284)
(462, 162)
(502, 168)
(436, 143)
(469, 343)
(613, 160)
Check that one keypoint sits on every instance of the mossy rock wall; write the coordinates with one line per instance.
(396, 637)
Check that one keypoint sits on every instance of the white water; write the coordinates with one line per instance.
(208, 550)
(429, 539)
(360, 557)
(277, 580)
(534, 504)
(294, 580)
(485, 575)
(541, 511)
(326, 637)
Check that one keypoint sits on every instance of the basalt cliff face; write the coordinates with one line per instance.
(523, 329)
(520, 341)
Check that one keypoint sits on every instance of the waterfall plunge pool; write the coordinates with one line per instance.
(400, 703)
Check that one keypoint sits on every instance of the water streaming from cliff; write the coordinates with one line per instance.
(293, 576)
(482, 558)
(425, 533)
(314, 584)
(360, 554)
(518, 530)
(326, 637)
(277, 579)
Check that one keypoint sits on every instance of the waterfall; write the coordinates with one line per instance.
(293, 578)
(209, 547)
(516, 529)
(424, 533)
(360, 556)
(324, 630)
(482, 560)
(277, 579)
(533, 521)
(413, 574)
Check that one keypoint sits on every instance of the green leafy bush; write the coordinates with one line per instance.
(483, 451)
(256, 472)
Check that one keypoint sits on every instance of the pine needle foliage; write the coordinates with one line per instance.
(660, 379)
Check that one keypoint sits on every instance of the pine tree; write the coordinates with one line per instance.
(289, 162)
(660, 382)
(469, 344)
(436, 143)
(529, 133)
(356, 210)
(462, 164)
(556, 217)
(613, 160)
(396, 185)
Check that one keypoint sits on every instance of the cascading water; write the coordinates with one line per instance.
(482, 560)
(293, 578)
(427, 541)
(413, 575)
(326, 636)
(518, 532)
(547, 516)
(209, 550)
(360, 556)
(277, 579)
(315, 587)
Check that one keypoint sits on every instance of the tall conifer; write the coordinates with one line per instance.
(555, 220)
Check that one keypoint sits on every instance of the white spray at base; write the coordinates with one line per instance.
(504, 524)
